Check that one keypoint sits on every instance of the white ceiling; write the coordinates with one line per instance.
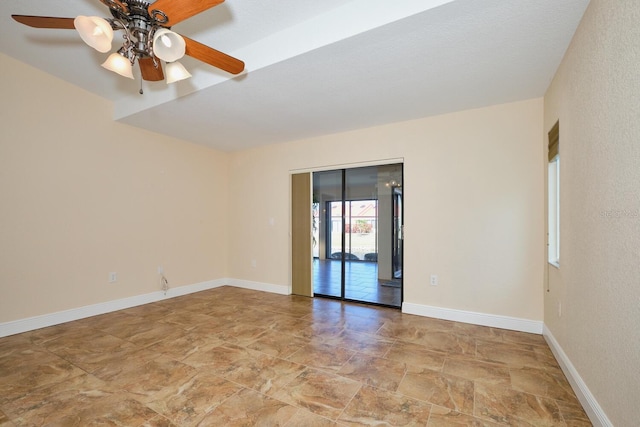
(317, 67)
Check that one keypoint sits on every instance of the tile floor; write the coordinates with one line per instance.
(235, 357)
(361, 279)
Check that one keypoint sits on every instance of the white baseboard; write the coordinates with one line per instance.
(492, 320)
(37, 322)
(589, 403)
(258, 286)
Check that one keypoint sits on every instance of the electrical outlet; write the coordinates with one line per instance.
(113, 277)
(434, 280)
(254, 264)
(160, 269)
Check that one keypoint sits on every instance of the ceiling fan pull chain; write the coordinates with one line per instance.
(141, 92)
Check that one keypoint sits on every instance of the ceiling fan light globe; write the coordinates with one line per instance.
(94, 31)
(175, 71)
(119, 64)
(168, 46)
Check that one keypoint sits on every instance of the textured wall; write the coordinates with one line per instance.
(596, 96)
(82, 196)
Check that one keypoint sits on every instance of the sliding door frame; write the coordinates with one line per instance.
(304, 269)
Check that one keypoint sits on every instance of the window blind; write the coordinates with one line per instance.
(554, 141)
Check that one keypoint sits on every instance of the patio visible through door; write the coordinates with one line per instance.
(357, 234)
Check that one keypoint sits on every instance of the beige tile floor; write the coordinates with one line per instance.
(234, 357)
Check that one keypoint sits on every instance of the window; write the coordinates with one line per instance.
(553, 192)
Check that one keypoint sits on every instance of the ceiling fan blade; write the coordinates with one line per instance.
(179, 10)
(149, 70)
(213, 57)
(45, 22)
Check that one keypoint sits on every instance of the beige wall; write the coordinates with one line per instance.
(595, 95)
(82, 196)
(473, 198)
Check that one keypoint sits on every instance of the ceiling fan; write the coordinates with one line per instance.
(147, 37)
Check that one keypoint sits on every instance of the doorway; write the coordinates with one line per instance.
(357, 226)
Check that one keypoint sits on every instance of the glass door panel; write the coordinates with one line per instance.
(327, 234)
(361, 277)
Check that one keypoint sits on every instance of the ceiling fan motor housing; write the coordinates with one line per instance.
(134, 15)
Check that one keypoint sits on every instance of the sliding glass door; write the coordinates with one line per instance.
(357, 222)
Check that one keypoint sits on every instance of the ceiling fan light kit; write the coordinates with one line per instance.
(147, 37)
(176, 72)
(119, 63)
(167, 45)
(94, 31)
(144, 36)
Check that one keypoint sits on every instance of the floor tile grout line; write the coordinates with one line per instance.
(350, 400)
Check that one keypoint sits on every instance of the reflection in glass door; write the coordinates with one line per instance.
(357, 234)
